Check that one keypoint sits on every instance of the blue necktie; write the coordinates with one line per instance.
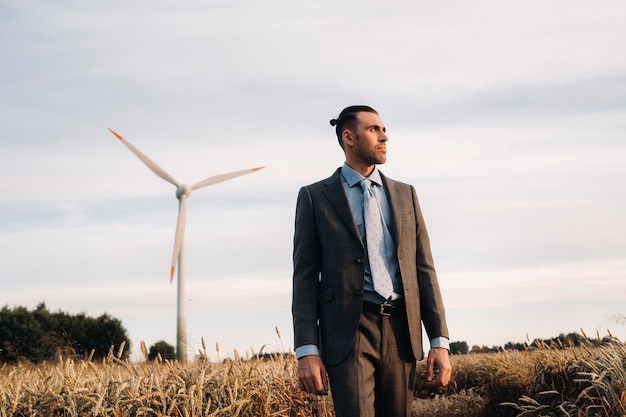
(374, 239)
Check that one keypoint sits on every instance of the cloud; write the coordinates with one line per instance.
(574, 281)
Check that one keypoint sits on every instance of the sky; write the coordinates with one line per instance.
(509, 118)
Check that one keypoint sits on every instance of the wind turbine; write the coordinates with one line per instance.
(182, 193)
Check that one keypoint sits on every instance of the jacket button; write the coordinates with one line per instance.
(359, 292)
(360, 261)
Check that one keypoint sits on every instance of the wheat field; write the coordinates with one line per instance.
(542, 381)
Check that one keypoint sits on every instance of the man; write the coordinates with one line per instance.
(364, 281)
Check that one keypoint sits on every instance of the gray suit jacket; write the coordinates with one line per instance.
(329, 268)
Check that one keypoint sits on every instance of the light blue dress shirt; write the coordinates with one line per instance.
(351, 185)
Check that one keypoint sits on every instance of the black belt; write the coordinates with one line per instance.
(385, 309)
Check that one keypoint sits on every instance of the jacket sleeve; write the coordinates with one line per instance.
(306, 273)
(431, 301)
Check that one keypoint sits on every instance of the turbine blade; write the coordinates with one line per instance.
(223, 177)
(180, 234)
(149, 163)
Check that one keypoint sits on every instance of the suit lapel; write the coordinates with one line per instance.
(336, 196)
(395, 202)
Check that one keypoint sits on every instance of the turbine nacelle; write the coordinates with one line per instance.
(183, 189)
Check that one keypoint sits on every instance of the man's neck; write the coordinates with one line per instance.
(362, 169)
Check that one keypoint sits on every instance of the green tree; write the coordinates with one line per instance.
(102, 333)
(162, 348)
(20, 335)
(459, 348)
(515, 346)
(41, 335)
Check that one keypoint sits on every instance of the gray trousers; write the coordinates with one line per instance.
(376, 378)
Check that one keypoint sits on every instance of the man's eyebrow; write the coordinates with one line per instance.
(377, 126)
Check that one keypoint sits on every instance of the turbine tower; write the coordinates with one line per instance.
(178, 257)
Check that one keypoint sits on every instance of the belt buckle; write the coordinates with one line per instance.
(383, 311)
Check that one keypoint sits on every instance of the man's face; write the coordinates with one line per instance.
(370, 139)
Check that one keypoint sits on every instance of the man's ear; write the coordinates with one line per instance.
(347, 137)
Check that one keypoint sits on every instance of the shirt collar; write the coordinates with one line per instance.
(353, 178)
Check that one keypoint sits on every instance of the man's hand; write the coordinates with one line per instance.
(312, 375)
(438, 362)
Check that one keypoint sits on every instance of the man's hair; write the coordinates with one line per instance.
(347, 120)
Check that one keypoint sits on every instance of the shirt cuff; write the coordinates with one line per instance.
(307, 350)
(440, 342)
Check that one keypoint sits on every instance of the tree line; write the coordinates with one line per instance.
(561, 341)
(39, 334)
